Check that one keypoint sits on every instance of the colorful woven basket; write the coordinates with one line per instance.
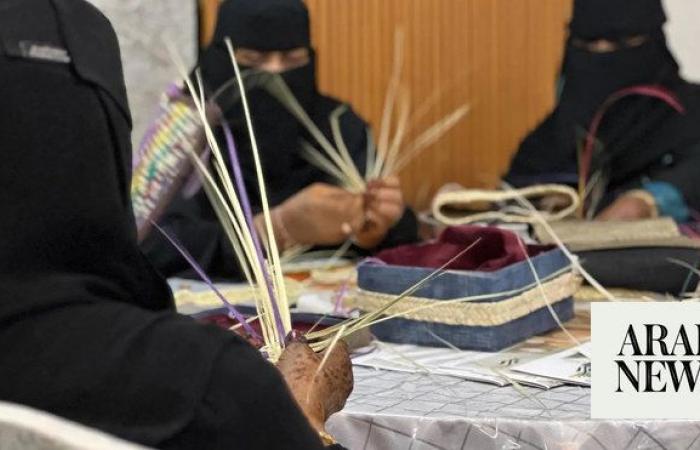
(163, 161)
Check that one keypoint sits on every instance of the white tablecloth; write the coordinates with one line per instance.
(403, 411)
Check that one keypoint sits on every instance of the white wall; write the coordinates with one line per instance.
(683, 33)
(142, 27)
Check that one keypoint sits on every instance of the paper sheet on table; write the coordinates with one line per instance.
(492, 368)
(571, 366)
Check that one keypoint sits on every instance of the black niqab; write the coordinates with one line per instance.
(68, 210)
(268, 25)
(264, 25)
(278, 132)
(616, 18)
(86, 330)
(637, 132)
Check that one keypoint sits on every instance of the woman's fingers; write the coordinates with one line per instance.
(386, 195)
(353, 212)
(388, 182)
(390, 212)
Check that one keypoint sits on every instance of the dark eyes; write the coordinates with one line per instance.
(288, 60)
(603, 45)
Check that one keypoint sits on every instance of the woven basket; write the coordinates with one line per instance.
(511, 306)
(458, 206)
(163, 163)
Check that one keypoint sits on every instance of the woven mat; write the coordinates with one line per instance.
(580, 235)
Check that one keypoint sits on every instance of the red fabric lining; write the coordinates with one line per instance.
(497, 249)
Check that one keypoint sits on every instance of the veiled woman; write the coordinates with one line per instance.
(87, 327)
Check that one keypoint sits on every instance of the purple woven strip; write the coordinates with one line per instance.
(248, 212)
(197, 268)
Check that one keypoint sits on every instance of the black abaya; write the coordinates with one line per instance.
(262, 25)
(643, 139)
(87, 330)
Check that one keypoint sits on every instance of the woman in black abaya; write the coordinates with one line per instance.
(87, 330)
(648, 152)
(274, 36)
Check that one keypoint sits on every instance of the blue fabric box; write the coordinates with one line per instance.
(515, 310)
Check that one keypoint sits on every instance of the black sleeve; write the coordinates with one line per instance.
(684, 173)
(158, 379)
(247, 405)
(679, 168)
(195, 225)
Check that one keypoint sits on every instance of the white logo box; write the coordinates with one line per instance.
(614, 391)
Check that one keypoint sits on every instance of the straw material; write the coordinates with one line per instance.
(236, 295)
(466, 206)
(589, 294)
(398, 143)
(586, 235)
(474, 314)
(264, 276)
(335, 276)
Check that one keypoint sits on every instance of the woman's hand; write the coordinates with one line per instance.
(320, 214)
(635, 205)
(319, 393)
(384, 207)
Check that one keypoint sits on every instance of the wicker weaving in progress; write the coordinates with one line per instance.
(502, 294)
(235, 294)
(464, 312)
(164, 161)
(467, 206)
(580, 235)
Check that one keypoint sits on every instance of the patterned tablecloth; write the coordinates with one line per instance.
(416, 411)
(403, 411)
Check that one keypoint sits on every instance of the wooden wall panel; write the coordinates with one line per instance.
(501, 56)
(207, 19)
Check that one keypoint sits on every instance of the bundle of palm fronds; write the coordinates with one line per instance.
(259, 258)
(391, 153)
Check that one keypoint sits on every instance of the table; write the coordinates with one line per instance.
(414, 411)
(399, 411)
